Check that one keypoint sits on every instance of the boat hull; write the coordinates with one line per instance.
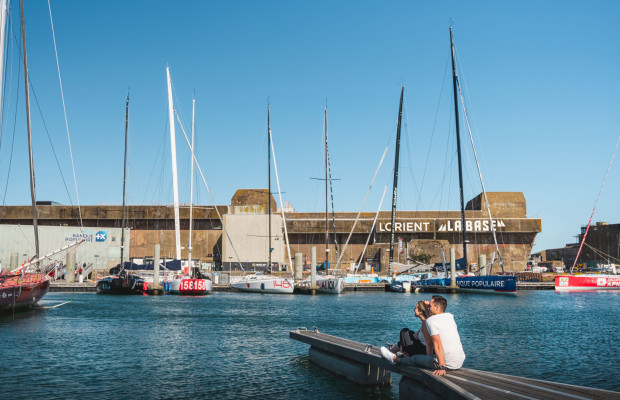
(120, 285)
(330, 285)
(400, 286)
(18, 293)
(265, 285)
(580, 283)
(502, 284)
(189, 286)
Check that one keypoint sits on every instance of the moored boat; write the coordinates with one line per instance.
(586, 282)
(122, 283)
(20, 291)
(329, 284)
(188, 285)
(264, 284)
(479, 284)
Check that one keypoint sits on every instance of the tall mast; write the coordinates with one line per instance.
(326, 206)
(30, 155)
(191, 189)
(394, 193)
(3, 17)
(458, 149)
(269, 183)
(124, 184)
(173, 154)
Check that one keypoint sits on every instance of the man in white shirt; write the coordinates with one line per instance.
(445, 339)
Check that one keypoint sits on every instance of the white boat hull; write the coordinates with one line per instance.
(266, 284)
(331, 284)
(190, 286)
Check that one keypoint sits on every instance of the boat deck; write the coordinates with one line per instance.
(458, 384)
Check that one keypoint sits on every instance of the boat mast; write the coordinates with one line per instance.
(458, 149)
(191, 190)
(124, 184)
(326, 206)
(173, 154)
(3, 17)
(395, 187)
(35, 223)
(269, 184)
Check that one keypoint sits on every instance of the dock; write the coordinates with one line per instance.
(62, 286)
(362, 363)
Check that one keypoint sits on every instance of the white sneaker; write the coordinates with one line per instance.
(388, 355)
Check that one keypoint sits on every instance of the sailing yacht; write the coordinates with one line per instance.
(504, 284)
(122, 282)
(186, 282)
(326, 283)
(24, 286)
(261, 283)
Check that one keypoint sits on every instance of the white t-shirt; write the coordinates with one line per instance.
(444, 325)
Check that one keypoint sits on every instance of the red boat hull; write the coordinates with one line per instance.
(578, 283)
(17, 292)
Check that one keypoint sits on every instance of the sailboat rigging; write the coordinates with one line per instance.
(395, 187)
(185, 282)
(268, 283)
(19, 288)
(122, 282)
(484, 283)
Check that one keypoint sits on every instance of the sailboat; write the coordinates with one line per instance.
(261, 283)
(185, 283)
(122, 282)
(327, 283)
(24, 287)
(470, 282)
(589, 282)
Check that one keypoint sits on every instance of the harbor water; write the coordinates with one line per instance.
(236, 345)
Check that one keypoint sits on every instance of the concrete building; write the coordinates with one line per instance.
(244, 240)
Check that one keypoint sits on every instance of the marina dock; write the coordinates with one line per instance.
(62, 286)
(362, 363)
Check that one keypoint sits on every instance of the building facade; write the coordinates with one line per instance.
(237, 236)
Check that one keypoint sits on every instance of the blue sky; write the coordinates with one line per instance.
(540, 80)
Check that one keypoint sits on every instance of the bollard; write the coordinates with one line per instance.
(70, 271)
(452, 268)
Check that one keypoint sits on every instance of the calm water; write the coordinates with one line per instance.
(235, 345)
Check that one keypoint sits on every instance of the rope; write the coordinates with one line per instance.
(484, 192)
(275, 166)
(361, 208)
(64, 109)
(374, 223)
(602, 254)
(595, 205)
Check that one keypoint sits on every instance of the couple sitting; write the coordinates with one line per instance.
(436, 345)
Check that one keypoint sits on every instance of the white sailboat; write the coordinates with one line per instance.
(184, 283)
(329, 284)
(260, 283)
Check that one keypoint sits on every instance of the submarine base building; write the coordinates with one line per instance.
(241, 242)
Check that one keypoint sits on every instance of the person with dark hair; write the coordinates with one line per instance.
(445, 341)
